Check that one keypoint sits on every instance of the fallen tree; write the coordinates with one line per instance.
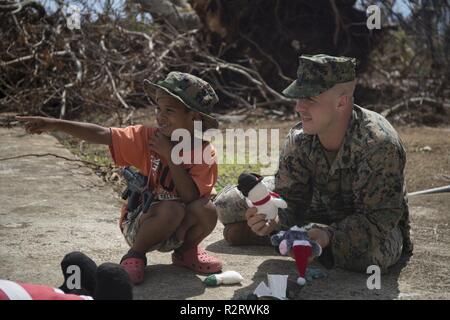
(247, 49)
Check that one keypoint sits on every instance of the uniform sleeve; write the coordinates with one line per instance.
(130, 147)
(379, 192)
(205, 174)
(292, 182)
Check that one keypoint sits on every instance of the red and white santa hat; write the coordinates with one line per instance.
(302, 251)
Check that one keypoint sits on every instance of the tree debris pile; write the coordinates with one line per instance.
(247, 49)
(275, 33)
(50, 70)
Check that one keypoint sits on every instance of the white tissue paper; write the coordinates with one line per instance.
(262, 290)
(277, 287)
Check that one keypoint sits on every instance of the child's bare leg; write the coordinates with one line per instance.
(158, 225)
(154, 227)
(199, 221)
(188, 222)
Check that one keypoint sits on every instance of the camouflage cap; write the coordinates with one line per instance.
(318, 73)
(195, 93)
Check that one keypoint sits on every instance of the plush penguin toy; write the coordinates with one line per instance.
(297, 240)
(258, 195)
(109, 281)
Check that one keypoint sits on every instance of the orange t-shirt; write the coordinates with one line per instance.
(130, 148)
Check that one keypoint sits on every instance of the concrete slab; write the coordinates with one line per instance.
(50, 206)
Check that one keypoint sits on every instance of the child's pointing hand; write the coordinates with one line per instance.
(37, 124)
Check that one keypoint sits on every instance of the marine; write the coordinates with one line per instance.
(341, 172)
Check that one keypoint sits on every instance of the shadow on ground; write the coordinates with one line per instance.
(339, 284)
(161, 282)
(223, 247)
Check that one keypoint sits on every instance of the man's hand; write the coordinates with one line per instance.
(258, 223)
(161, 144)
(37, 124)
(320, 236)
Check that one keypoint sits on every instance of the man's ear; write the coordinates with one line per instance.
(343, 101)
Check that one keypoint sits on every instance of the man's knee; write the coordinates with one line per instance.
(230, 205)
(239, 233)
(232, 233)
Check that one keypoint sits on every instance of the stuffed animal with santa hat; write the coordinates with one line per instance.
(257, 195)
(297, 240)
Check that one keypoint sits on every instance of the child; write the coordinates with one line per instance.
(181, 215)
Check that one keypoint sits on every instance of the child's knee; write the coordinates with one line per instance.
(203, 210)
(171, 211)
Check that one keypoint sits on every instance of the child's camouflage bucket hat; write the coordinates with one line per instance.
(195, 93)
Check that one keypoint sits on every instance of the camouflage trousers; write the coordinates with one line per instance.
(383, 251)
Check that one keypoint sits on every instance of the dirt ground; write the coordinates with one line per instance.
(52, 206)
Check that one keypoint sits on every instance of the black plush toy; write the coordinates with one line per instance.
(109, 281)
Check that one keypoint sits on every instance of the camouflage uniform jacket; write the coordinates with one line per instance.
(360, 197)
